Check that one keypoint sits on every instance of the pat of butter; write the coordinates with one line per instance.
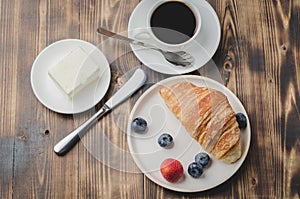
(74, 72)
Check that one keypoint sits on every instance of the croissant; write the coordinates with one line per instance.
(207, 116)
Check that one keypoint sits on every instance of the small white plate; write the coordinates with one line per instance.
(148, 155)
(202, 49)
(50, 95)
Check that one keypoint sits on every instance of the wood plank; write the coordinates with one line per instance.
(8, 79)
(255, 32)
(63, 23)
(38, 172)
(244, 46)
(108, 170)
(286, 84)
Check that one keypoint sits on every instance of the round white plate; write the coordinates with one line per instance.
(50, 95)
(148, 155)
(203, 48)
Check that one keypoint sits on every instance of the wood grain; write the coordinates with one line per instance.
(255, 46)
(8, 76)
(258, 58)
(40, 173)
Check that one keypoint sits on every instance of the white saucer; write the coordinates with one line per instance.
(148, 155)
(49, 94)
(203, 49)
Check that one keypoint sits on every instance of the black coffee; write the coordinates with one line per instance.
(173, 22)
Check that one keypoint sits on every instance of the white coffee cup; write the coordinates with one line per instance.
(151, 34)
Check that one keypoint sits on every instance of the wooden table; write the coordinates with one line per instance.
(258, 57)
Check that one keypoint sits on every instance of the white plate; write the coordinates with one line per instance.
(148, 155)
(204, 47)
(49, 94)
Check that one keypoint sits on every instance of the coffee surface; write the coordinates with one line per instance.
(173, 22)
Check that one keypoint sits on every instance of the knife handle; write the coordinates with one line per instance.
(67, 143)
(133, 84)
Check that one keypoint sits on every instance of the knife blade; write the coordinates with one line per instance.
(131, 86)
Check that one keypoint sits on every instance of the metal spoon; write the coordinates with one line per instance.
(178, 58)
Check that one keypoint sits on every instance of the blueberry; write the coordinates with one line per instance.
(242, 120)
(195, 170)
(202, 158)
(139, 125)
(165, 140)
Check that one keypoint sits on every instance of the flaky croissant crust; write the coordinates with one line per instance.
(207, 116)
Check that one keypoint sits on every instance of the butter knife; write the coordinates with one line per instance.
(133, 84)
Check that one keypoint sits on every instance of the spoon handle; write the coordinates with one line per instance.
(108, 33)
